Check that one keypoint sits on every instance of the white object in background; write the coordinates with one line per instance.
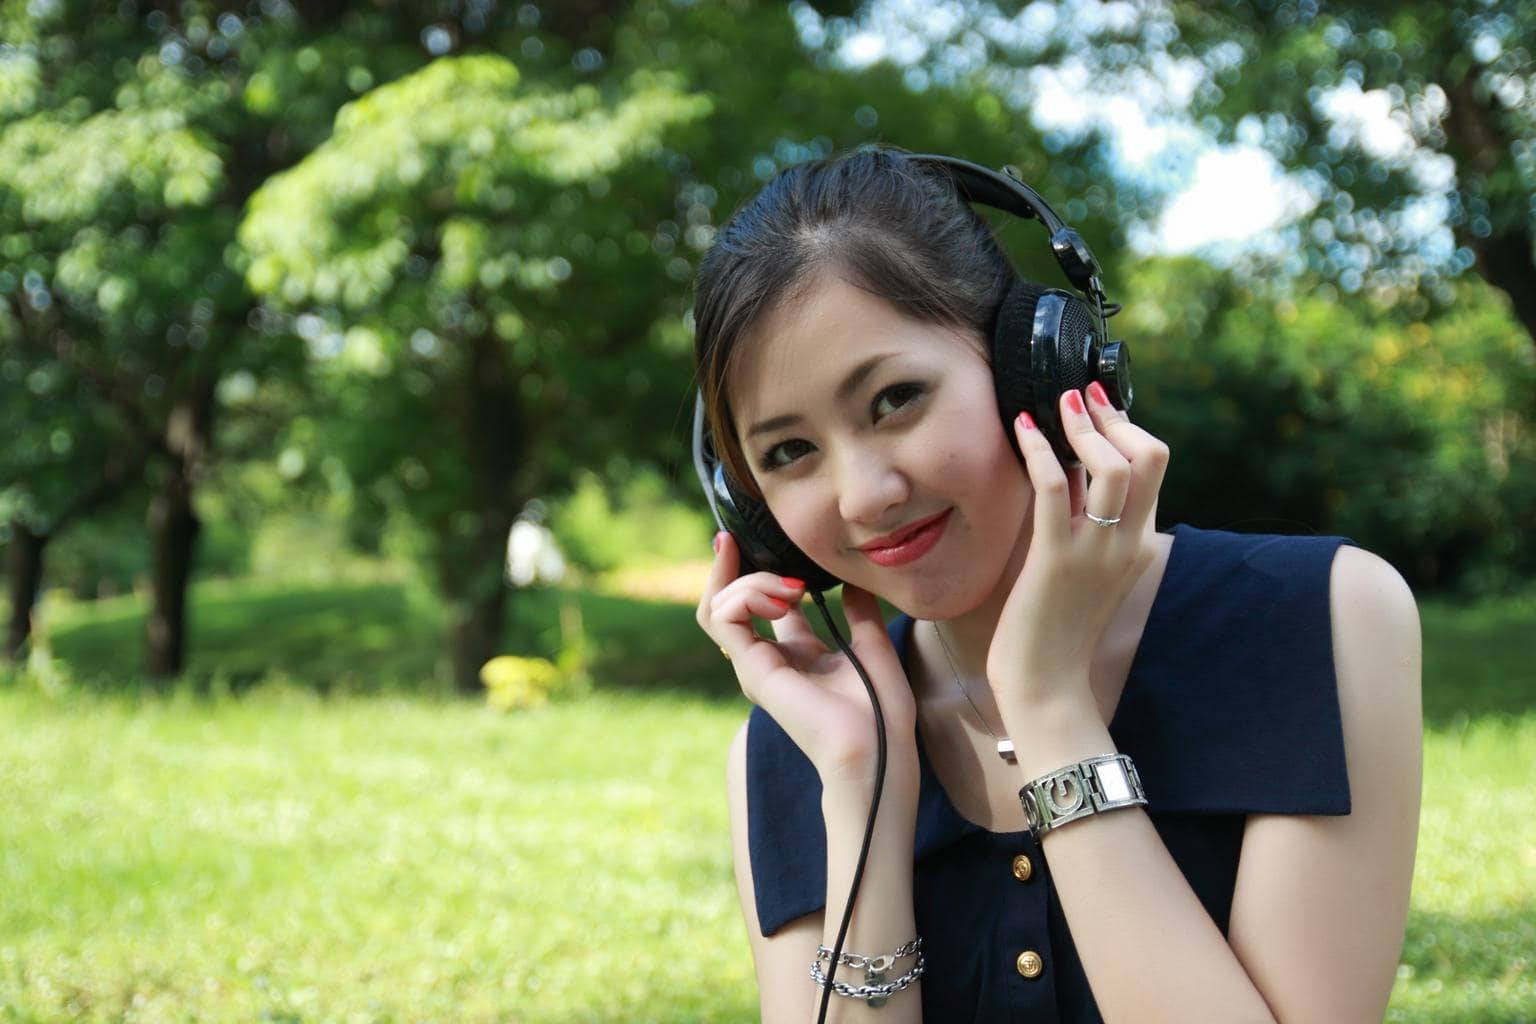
(532, 555)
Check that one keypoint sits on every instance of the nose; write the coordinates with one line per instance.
(869, 486)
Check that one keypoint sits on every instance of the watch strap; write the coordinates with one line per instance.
(1092, 786)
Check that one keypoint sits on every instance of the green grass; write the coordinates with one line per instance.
(375, 638)
(286, 856)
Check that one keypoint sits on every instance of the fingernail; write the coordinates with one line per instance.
(1075, 402)
(1097, 393)
(781, 605)
(716, 542)
(1027, 420)
(790, 581)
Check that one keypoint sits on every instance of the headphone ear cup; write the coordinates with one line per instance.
(1043, 344)
(762, 542)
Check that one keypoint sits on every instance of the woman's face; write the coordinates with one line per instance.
(877, 444)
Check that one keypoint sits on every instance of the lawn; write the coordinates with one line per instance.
(268, 852)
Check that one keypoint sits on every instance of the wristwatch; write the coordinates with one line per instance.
(1104, 783)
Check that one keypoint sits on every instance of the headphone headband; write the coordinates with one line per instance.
(1007, 191)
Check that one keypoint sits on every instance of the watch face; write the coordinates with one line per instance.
(1112, 781)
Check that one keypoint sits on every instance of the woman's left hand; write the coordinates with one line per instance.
(1077, 573)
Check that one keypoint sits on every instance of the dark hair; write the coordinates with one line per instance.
(878, 219)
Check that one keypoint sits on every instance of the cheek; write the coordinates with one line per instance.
(808, 525)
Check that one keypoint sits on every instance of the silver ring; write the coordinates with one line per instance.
(1101, 522)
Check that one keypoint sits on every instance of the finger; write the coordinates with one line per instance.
(1077, 489)
(793, 628)
(726, 567)
(865, 625)
(744, 600)
(1148, 455)
(1052, 523)
(1109, 469)
(732, 631)
(868, 636)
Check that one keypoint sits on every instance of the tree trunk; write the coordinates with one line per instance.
(24, 575)
(1477, 141)
(473, 549)
(475, 635)
(1504, 261)
(173, 527)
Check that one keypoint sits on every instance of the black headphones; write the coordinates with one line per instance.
(1045, 341)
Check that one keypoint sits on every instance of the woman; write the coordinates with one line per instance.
(1267, 688)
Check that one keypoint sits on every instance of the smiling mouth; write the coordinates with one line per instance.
(908, 544)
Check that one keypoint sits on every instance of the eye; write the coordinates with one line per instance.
(894, 398)
(783, 454)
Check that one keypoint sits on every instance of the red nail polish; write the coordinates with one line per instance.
(1028, 420)
(1075, 402)
(779, 604)
(716, 542)
(790, 581)
(1097, 393)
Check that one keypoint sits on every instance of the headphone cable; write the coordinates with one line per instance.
(874, 803)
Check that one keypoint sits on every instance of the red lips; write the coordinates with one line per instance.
(909, 543)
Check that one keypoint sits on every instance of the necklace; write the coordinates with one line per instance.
(1004, 744)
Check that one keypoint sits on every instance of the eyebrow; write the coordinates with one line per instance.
(849, 385)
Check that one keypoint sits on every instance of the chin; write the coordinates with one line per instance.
(952, 594)
(936, 600)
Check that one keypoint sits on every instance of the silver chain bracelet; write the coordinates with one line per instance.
(874, 994)
(860, 962)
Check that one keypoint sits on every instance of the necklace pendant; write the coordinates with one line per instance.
(1005, 750)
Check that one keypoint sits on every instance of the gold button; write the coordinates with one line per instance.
(1030, 965)
(1023, 868)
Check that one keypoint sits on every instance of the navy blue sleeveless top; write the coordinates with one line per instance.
(1230, 708)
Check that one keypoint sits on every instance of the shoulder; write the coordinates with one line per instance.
(1343, 927)
(1378, 662)
(1371, 607)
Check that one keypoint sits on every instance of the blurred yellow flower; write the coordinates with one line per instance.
(512, 682)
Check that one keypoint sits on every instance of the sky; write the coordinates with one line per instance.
(1223, 200)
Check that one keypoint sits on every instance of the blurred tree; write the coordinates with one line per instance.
(1455, 85)
(1412, 124)
(1294, 412)
(130, 142)
(492, 262)
(430, 240)
(61, 461)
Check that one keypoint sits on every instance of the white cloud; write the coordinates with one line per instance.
(1236, 193)
(1369, 119)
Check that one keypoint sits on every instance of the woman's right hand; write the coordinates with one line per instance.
(811, 690)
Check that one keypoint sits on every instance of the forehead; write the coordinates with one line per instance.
(798, 353)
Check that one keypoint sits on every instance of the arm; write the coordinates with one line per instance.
(1319, 905)
(1326, 899)
(817, 697)
(882, 920)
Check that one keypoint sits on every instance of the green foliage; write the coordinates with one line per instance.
(642, 524)
(435, 162)
(427, 247)
(1455, 77)
(1288, 410)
